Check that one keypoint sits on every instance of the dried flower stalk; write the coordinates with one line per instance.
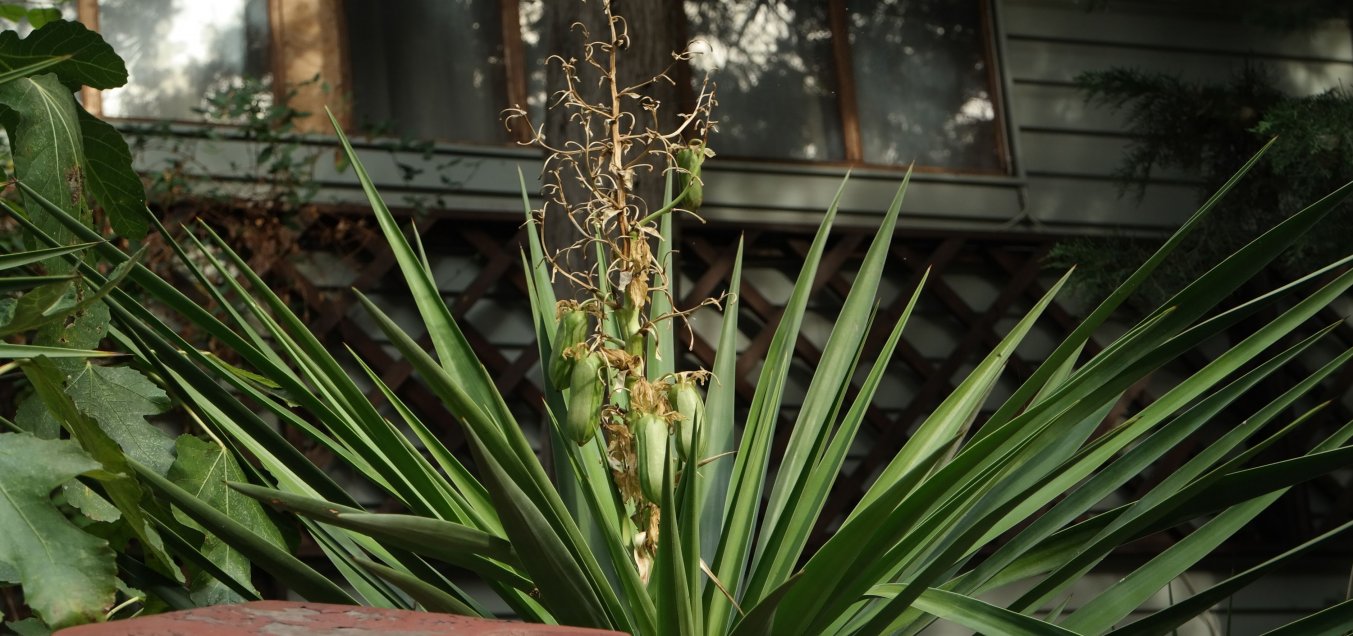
(620, 136)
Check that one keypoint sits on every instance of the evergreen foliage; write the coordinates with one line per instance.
(1206, 129)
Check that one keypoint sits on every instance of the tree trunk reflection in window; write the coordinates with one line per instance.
(772, 61)
(535, 40)
(428, 68)
(177, 51)
(923, 84)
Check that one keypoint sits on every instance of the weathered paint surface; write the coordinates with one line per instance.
(279, 618)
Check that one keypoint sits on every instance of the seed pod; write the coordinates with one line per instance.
(690, 159)
(650, 448)
(628, 317)
(572, 330)
(685, 398)
(587, 394)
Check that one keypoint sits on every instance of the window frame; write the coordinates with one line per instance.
(87, 13)
(848, 102)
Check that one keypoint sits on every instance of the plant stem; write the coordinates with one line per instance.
(667, 208)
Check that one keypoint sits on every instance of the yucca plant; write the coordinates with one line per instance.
(661, 516)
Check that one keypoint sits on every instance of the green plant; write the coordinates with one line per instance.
(899, 558)
(93, 549)
(1205, 130)
(49, 311)
(35, 16)
(673, 541)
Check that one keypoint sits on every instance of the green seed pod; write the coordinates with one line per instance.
(650, 448)
(685, 398)
(690, 159)
(587, 394)
(572, 330)
(627, 315)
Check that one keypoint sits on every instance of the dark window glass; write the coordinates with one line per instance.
(531, 14)
(923, 83)
(772, 61)
(177, 51)
(428, 68)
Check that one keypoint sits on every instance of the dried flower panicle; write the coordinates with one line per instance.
(620, 137)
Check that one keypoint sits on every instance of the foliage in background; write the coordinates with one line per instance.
(279, 172)
(268, 206)
(1205, 130)
(26, 14)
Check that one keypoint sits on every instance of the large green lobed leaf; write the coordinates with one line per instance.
(202, 468)
(119, 399)
(89, 60)
(67, 574)
(44, 134)
(110, 179)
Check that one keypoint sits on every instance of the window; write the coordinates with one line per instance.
(879, 82)
(179, 50)
(870, 81)
(765, 56)
(428, 68)
(937, 106)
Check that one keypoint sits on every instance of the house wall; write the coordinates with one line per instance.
(1069, 149)
(1064, 150)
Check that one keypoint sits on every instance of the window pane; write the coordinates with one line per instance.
(772, 61)
(428, 68)
(178, 50)
(922, 81)
(531, 14)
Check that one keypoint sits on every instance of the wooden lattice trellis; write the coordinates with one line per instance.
(1009, 275)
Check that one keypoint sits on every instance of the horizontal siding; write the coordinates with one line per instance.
(1060, 107)
(754, 193)
(1061, 153)
(1160, 27)
(1060, 61)
(1070, 202)
(1070, 149)
(765, 192)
